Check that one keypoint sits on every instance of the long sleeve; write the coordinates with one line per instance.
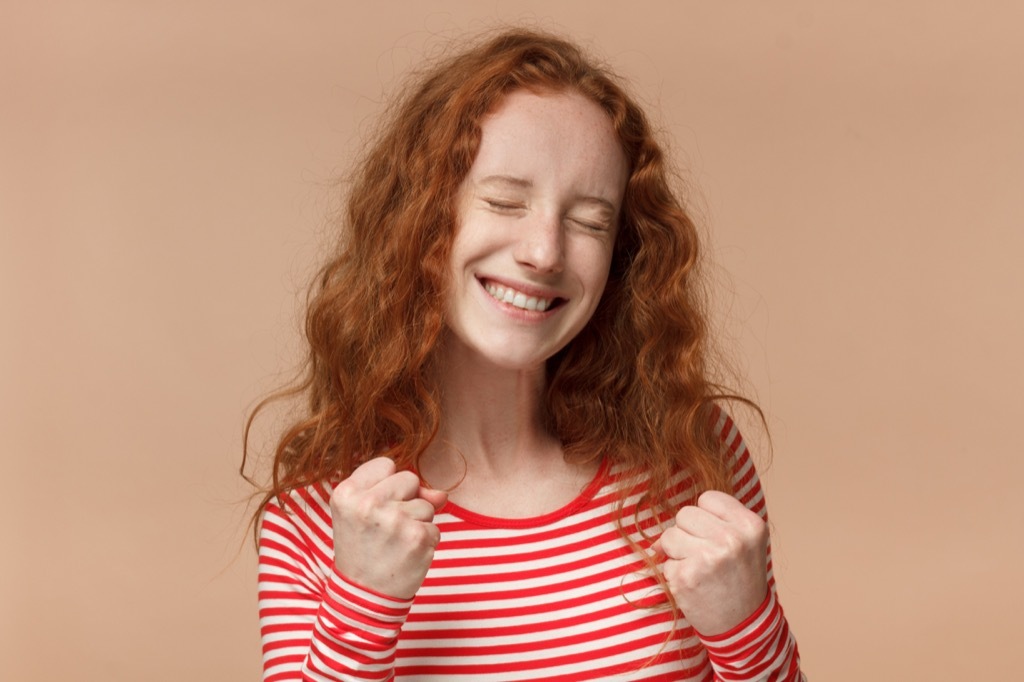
(315, 624)
(762, 647)
(560, 596)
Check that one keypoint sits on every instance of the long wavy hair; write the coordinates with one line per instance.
(634, 386)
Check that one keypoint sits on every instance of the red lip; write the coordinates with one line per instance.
(527, 289)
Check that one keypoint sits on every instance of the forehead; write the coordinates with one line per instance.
(552, 137)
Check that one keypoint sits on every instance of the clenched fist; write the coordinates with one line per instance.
(384, 535)
(716, 562)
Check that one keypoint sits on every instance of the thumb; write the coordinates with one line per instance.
(657, 548)
(438, 498)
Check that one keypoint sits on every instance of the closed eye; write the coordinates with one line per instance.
(500, 205)
(591, 225)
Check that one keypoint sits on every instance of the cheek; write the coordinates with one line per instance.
(458, 254)
(598, 267)
(462, 256)
(594, 278)
(470, 237)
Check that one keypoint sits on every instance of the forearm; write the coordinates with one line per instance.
(316, 626)
(355, 634)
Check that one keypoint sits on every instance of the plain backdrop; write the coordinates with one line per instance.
(166, 179)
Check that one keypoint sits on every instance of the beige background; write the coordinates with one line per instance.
(164, 181)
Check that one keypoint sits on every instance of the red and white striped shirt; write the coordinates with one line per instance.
(555, 597)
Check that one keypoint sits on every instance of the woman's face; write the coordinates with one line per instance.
(538, 215)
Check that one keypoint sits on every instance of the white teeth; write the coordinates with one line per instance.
(518, 298)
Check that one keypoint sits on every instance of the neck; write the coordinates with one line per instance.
(492, 424)
(493, 453)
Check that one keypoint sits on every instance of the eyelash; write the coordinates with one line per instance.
(510, 206)
(503, 205)
(594, 227)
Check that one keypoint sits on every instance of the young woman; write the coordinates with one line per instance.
(513, 466)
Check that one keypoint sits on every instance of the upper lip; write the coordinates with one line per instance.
(525, 288)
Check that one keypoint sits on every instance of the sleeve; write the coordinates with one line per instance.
(762, 647)
(314, 623)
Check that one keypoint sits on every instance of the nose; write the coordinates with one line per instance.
(541, 246)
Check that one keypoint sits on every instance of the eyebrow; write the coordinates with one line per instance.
(510, 180)
(523, 183)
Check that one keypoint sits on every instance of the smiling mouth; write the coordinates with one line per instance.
(519, 299)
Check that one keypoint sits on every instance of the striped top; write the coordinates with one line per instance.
(555, 597)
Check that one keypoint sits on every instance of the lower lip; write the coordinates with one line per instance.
(521, 314)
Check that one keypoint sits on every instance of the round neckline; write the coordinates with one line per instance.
(581, 500)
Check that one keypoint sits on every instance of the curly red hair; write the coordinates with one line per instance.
(633, 386)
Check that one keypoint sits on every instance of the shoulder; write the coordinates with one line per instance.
(299, 517)
(295, 535)
(301, 502)
(746, 484)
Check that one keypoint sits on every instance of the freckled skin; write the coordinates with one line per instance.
(538, 212)
(539, 208)
(384, 535)
(716, 562)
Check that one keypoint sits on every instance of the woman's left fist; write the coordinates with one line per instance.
(716, 562)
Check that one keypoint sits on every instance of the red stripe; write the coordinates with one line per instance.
(611, 599)
(533, 627)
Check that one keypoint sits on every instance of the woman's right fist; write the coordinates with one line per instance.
(384, 535)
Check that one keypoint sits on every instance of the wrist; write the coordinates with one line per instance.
(711, 637)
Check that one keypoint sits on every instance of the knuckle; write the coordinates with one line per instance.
(407, 479)
(732, 543)
(424, 510)
(737, 545)
(416, 534)
(716, 499)
(435, 536)
(760, 528)
(682, 579)
(365, 507)
(407, 475)
(754, 529)
(707, 496)
(685, 513)
(668, 541)
(385, 465)
(341, 496)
